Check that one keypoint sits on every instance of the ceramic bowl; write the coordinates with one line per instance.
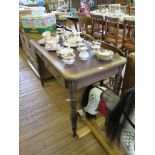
(105, 55)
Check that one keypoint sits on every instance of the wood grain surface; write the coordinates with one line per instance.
(44, 124)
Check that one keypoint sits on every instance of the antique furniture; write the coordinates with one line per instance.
(112, 31)
(112, 48)
(128, 43)
(82, 21)
(132, 10)
(97, 26)
(129, 77)
(78, 75)
(30, 54)
(85, 23)
(87, 37)
(88, 25)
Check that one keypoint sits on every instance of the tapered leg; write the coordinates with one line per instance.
(73, 115)
(75, 24)
(118, 81)
(40, 66)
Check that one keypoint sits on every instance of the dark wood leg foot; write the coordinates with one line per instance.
(75, 24)
(118, 82)
(73, 118)
(40, 66)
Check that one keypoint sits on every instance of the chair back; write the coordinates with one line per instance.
(82, 21)
(129, 77)
(128, 43)
(131, 10)
(112, 28)
(112, 48)
(129, 32)
(97, 24)
(87, 37)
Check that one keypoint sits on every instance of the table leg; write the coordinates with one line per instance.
(73, 115)
(40, 66)
(75, 24)
(118, 81)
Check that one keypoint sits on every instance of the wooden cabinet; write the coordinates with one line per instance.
(31, 56)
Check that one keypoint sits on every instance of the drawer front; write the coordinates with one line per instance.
(55, 73)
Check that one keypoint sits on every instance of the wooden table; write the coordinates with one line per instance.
(78, 75)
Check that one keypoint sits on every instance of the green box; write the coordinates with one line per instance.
(39, 30)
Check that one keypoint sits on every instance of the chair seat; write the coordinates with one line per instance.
(129, 46)
(113, 40)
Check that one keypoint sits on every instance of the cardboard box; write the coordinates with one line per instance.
(23, 12)
(39, 23)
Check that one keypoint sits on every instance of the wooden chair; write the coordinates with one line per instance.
(97, 27)
(113, 81)
(87, 37)
(129, 76)
(132, 10)
(112, 31)
(112, 48)
(88, 25)
(128, 43)
(82, 21)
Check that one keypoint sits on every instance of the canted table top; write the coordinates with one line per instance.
(79, 68)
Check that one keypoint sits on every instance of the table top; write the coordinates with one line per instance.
(79, 68)
(60, 13)
(72, 17)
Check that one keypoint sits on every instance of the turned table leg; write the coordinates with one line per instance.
(40, 66)
(73, 115)
(118, 81)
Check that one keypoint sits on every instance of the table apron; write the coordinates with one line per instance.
(51, 69)
(81, 82)
(86, 81)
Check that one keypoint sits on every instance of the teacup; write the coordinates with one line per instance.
(46, 34)
(84, 55)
